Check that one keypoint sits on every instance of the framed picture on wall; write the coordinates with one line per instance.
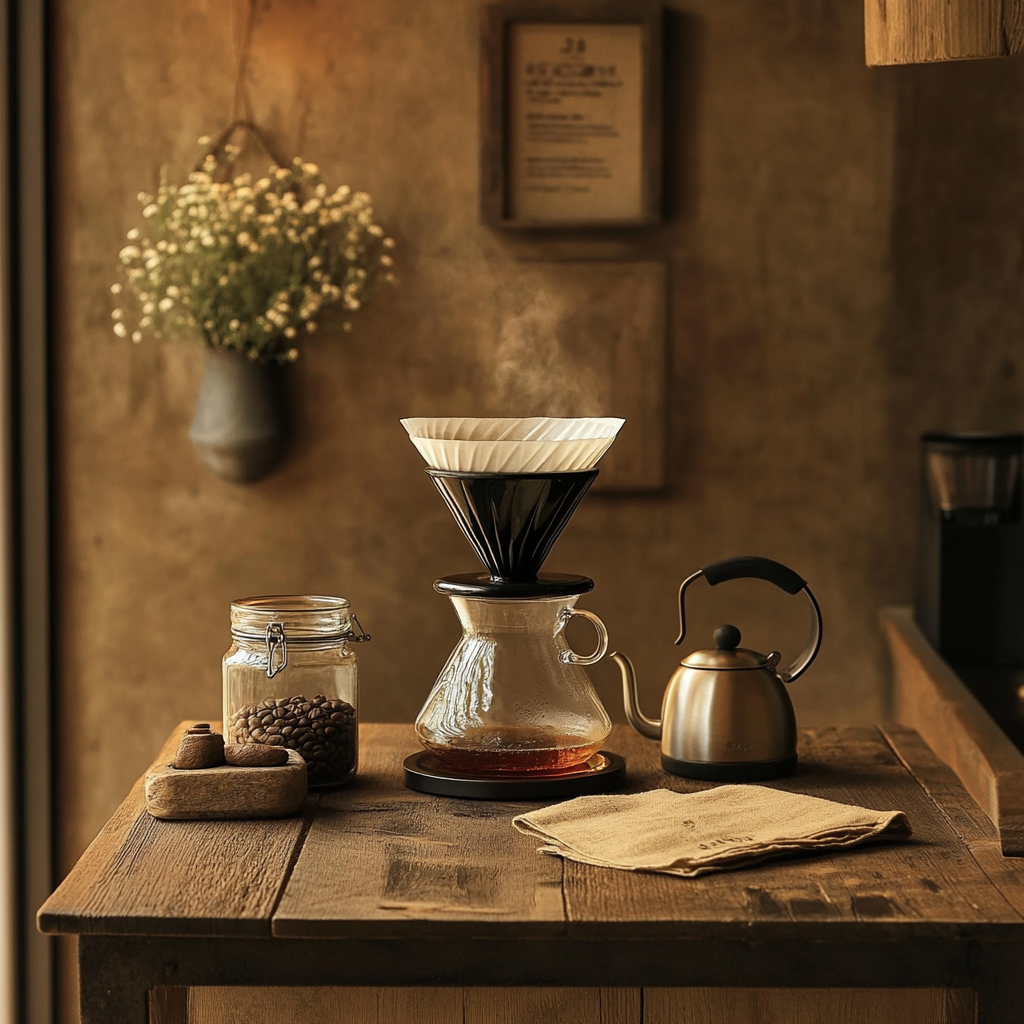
(571, 108)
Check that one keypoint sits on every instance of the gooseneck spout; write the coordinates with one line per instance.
(636, 718)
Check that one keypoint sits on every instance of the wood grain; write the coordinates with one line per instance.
(382, 860)
(973, 826)
(144, 876)
(926, 886)
(168, 1004)
(269, 1005)
(808, 1006)
(226, 792)
(412, 1005)
(922, 31)
(929, 697)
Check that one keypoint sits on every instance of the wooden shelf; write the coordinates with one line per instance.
(923, 31)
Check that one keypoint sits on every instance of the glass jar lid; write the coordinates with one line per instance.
(300, 617)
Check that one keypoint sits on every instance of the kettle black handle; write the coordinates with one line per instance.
(753, 567)
(744, 567)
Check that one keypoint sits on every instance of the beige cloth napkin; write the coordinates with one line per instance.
(691, 834)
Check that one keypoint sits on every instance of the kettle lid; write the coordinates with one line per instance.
(728, 655)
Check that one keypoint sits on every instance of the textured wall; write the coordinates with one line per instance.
(843, 256)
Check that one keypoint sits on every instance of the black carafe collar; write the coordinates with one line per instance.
(547, 584)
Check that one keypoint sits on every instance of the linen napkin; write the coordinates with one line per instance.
(691, 834)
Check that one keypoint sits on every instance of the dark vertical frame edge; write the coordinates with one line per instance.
(494, 179)
(28, 103)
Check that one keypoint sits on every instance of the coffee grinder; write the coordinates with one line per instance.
(513, 714)
(970, 594)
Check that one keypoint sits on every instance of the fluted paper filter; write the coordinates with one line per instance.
(535, 444)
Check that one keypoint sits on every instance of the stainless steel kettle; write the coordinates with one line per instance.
(726, 713)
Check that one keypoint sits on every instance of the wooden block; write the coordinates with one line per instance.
(227, 791)
(922, 31)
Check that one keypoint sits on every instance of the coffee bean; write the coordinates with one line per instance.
(322, 729)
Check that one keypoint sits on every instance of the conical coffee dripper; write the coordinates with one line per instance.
(513, 701)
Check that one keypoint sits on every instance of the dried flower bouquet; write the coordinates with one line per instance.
(248, 265)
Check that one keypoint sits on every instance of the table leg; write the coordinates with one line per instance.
(997, 971)
(110, 991)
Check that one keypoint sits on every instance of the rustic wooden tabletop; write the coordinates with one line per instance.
(378, 874)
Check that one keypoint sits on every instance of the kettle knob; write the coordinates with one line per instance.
(727, 637)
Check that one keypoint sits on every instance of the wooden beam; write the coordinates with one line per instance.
(923, 31)
(930, 697)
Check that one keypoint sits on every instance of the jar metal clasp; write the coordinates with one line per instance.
(276, 644)
(357, 634)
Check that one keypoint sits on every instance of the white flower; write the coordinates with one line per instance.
(204, 140)
(234, 324)
(386, 261)
(117, 314)
(136, 336)
(311, 326)
(388, 243)
(244, 238)
(120, 330)
(151, 210)
(291, 355)
(129, 253)
(165, 304)
(376, 230)
(289, 332)
(173, 290)
(115, 288)
(133, 234)
(309, 169)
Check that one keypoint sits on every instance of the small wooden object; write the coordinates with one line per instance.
(255, 755)
(200, 748)
(226, 792)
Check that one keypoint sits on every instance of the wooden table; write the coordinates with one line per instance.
(376, 888)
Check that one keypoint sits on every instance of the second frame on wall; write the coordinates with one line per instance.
(572, 115)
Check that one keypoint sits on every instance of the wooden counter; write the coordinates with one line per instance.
(381, 904)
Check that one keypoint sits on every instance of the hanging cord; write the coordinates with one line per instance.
(241, 116)
(241, 35)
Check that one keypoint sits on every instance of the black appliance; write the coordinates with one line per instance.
(970, 593)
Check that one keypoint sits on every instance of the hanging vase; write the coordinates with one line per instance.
(239, 426)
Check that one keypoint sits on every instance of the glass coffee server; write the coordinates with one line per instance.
(513, 713)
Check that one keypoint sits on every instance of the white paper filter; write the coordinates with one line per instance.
(537, 444)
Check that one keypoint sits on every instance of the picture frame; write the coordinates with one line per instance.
(571, 108)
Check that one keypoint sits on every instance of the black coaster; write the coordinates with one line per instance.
(604, 772)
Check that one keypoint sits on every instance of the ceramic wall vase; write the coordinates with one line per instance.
(240, 425)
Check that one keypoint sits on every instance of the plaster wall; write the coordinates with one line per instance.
(843, 251)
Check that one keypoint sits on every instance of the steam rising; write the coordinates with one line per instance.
(534, 374)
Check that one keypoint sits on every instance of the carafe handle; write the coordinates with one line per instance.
(569, 656)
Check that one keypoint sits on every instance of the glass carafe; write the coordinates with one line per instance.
(513, 696)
